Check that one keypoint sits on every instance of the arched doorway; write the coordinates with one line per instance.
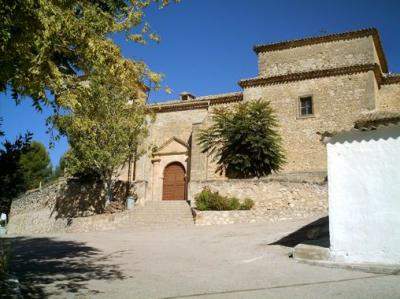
(174, 182)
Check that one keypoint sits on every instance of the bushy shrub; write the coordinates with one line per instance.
(244, 140)
(234, 203)
(208, 200)
(247, 204)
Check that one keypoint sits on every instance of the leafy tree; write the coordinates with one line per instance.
(35, 165)
(244, 140)
(12, 181)
(59, 171)
(105, 128)
(54, 45)
(60, 53)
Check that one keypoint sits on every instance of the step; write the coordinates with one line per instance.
(163, 221)
(162, 210)
(167, 203)
(162, 214)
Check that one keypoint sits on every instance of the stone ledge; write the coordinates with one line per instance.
(320, 256)
(314, 74)
(367, 267)
(316, 177)
(205, 218)
(310, 252)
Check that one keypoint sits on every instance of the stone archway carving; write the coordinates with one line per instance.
(174, 150)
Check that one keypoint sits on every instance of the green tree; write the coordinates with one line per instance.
(244, 140)
(12, 181)
(59, 171)
(54, 45)
(35, 165)
(60, 53)
(105, 127)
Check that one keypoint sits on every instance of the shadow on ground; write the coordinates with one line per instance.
(315, 233)
(81, 199)
(47, 266)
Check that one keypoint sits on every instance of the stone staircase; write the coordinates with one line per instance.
(162, 213)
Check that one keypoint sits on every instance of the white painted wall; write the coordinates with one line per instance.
(364, 196)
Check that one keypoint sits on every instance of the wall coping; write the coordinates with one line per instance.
(198, 103)
(347, 70)
(391, 79)
(317, 177)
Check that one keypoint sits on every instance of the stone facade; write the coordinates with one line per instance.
(63, 206)
(275, 199)
(388, 97)
(317, 57)
(345, 74)
(338, 102)
(33, 213)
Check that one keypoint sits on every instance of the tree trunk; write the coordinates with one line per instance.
(109, 189)
(128, 187)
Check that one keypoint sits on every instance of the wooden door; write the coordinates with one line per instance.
(174, 184)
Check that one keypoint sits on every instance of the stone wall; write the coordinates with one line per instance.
(33, 212)
(176, 124)
(338, 101)
(276, 198)
(203, 166)
(60, 207)
(317, 57)
(167, 125)
(389, 97)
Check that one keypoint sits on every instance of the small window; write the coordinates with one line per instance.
(306, 106)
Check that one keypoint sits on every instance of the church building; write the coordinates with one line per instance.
(315, 85)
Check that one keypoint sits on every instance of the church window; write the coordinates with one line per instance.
(306, 106)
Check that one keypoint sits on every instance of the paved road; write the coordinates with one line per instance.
(233, 261)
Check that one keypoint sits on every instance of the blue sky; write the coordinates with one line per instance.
(206, 46)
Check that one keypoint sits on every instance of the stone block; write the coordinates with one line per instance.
(310, 252)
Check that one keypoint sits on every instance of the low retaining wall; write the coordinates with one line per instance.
(276, 199)
(140, 188)
(63, 207)
(33, 212)
(40, 223)
(101, 222)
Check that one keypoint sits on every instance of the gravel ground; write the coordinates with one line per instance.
(230, 261)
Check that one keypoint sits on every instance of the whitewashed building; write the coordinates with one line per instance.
(364, 191)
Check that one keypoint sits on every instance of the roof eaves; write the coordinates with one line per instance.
(367, 122)
(257, 81)
(391, 79)
(199, 103)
